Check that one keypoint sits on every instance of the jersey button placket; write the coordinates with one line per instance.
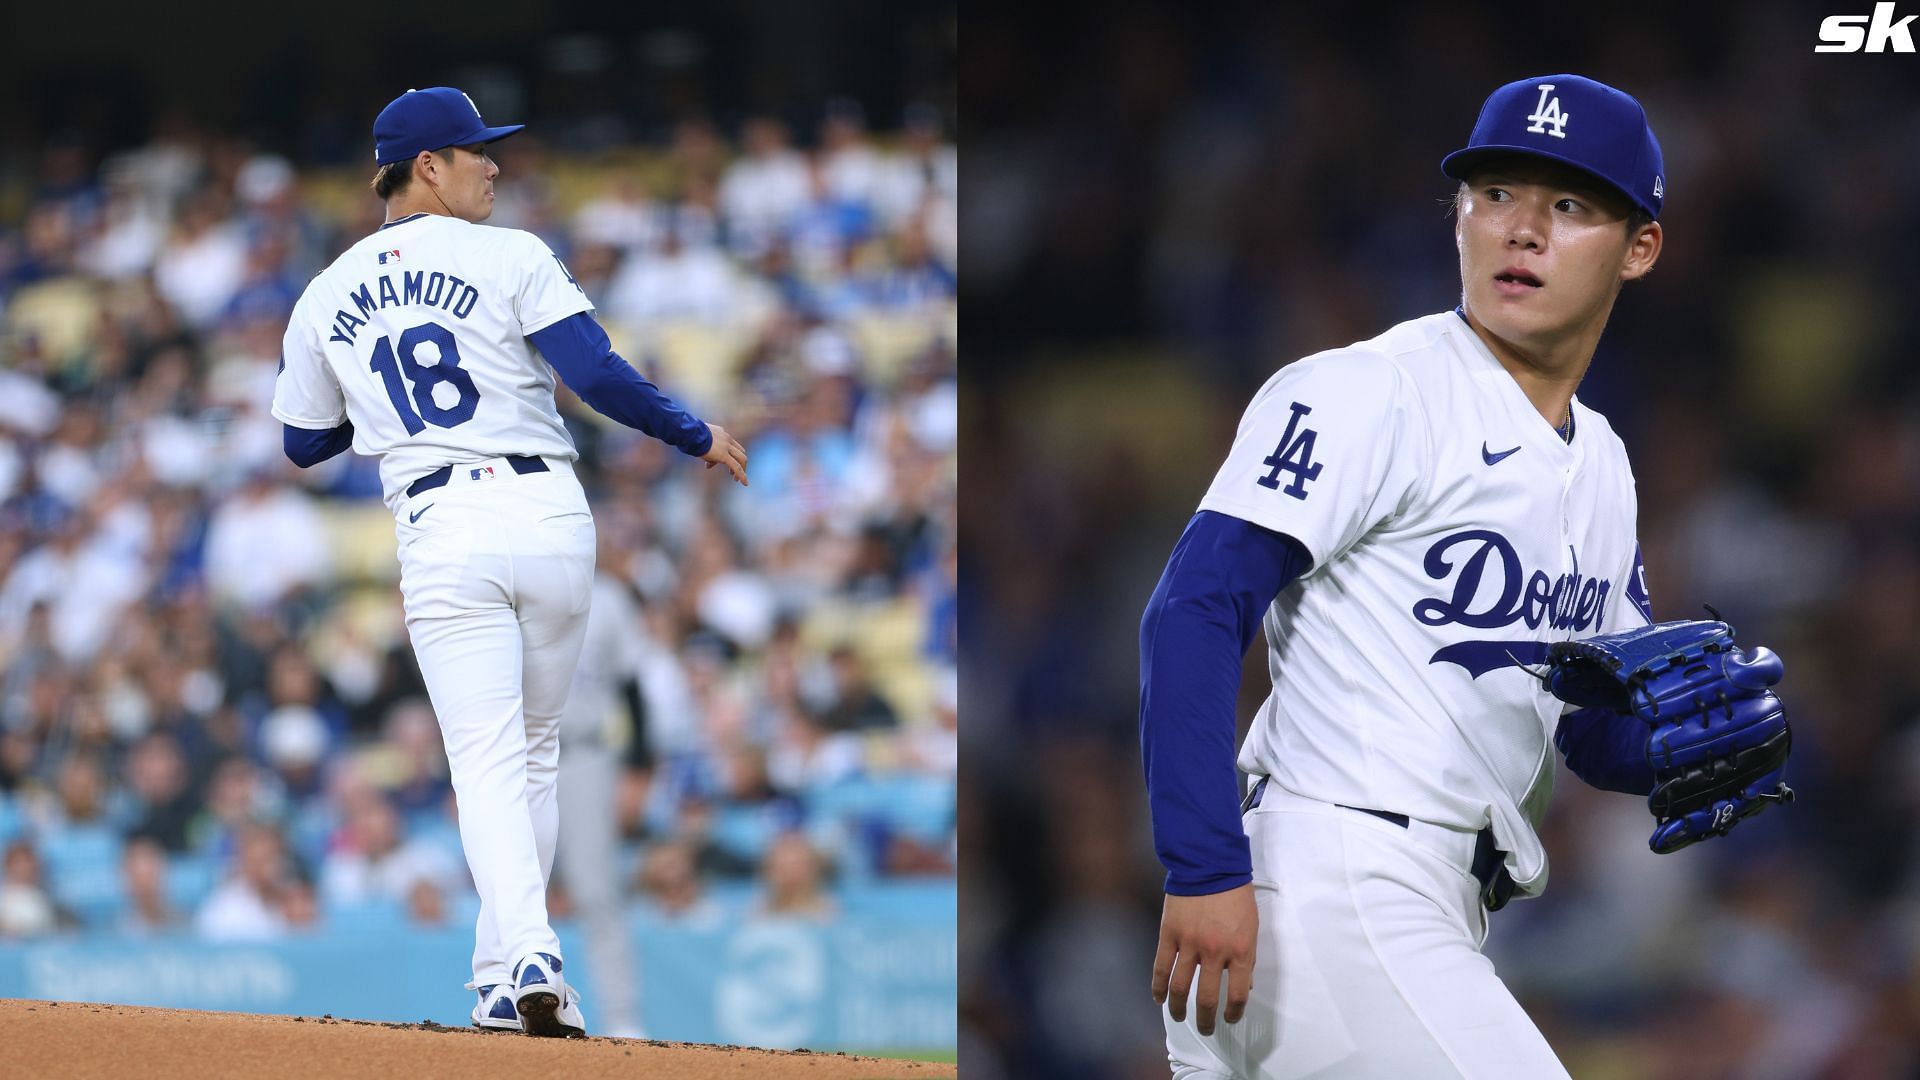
(1566, 527)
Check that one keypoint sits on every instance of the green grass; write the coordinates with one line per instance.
(947, 1056)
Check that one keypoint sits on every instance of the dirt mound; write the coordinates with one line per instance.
(68, 1039)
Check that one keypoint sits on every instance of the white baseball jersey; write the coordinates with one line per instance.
(418, 333)
(1454, 535)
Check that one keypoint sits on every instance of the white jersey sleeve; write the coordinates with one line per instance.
(1330, 447)
(547, 291)
(306, 394)
(1632, 606)
(1635, 608)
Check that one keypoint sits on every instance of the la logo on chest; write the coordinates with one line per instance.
(1548, 118)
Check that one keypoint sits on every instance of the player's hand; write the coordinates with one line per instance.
(726, 450)
(1211, 934)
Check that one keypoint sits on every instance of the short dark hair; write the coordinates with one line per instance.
(393, 178)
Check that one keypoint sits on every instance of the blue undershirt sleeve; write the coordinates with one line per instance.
(307, 447)
(1607, 749)
(1202, 617)
(578, 349)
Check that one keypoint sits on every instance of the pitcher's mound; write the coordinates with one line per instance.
(68, 1039)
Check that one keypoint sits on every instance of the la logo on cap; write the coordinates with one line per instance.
(1547, 113)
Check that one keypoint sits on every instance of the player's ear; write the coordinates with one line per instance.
(1643, 250)
(426, 167)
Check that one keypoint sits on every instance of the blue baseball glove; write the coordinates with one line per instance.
(1717, 736)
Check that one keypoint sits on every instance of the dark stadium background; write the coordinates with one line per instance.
(297, 77)
(1164, 204)
(789, 760)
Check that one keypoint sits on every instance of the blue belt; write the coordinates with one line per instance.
(439, 477)
(1489, 862)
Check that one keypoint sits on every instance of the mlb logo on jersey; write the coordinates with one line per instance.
(484, 472)
(389, 256)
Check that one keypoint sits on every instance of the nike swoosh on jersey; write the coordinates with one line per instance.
(1492, 458)
(415, 516)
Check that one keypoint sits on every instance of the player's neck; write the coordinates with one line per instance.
(419, 198)
(401, 207)
(1548, 376)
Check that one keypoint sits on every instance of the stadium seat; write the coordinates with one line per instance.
(734, 897)
(744, 830)
(371, 916)
(189, 879)
(890, 899)
(919, 806)
(83, 870)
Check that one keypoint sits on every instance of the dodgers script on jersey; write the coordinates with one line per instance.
(434, 368)
(1454, 536)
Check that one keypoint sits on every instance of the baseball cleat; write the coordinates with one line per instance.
(495, 1009)
(572, 1022)
(546, 1004)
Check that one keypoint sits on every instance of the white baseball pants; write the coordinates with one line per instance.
(1368, 963)
(496, 570)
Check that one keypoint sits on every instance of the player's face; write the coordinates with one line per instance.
(467, 182)
(1544, 251)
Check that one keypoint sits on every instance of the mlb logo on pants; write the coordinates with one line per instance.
(484, 472)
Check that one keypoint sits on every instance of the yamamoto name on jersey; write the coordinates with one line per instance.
(422, 288)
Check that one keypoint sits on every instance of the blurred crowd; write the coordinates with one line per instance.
(210, 718)
(1172, 205)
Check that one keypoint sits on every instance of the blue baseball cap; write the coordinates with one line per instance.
(430, 119)
(1576, 121)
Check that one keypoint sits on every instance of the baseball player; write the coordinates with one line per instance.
(1440, 538)
(592, 728)
(433, 343)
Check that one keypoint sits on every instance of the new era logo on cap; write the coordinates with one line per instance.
(1573, 120)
